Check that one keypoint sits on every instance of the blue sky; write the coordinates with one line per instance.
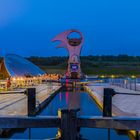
(109, 26)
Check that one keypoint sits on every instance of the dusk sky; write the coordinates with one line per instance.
(110, 27)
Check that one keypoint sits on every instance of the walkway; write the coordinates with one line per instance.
(16, 104)
(123, 105)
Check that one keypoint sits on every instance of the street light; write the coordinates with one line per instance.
(135, 82)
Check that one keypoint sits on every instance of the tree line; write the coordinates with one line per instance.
(60, 60)
(56, 60)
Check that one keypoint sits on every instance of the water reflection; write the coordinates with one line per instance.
(60, 95)
(67, 97)
(72, 99)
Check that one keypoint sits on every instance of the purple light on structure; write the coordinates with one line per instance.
(67, 97)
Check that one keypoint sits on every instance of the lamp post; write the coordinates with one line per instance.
(135, 82)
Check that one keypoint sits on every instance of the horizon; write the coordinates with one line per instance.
(100, 55)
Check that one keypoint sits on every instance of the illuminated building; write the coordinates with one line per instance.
(14, 65)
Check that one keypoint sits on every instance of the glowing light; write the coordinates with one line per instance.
(133, 76)
(67, 82)
(112, 76)
(18, 79)
(14, 79)
(102, 76)
(67, 97)
(21, 79)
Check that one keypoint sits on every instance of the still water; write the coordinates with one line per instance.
(71, 99)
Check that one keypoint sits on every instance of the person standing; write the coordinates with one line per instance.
(8, 83)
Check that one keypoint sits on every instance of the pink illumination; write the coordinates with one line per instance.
(73, 46)
(67, 97)
(67, 83)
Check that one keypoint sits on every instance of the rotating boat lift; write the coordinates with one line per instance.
(73, 46)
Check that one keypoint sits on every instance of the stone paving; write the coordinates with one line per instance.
(123, 105)
(16, 104)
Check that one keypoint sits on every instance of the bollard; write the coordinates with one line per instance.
(126, 83)
(63, 130)
(135, 81)
(107, 102)
(73, 124)
(137, 135)
(31, 95)
(130, 84)
(68, 129)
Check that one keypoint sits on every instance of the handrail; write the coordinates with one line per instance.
(122, 123)
(13, 92)
(29, 122)
(126, 93)
(125, 83)
(69, 124)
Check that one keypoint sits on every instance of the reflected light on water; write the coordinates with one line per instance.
(67, 97)
(60, 96)
(67, 83)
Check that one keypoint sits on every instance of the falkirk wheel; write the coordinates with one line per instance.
(73, 46)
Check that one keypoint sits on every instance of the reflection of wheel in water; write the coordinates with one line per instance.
(74, 38)
(74, 75)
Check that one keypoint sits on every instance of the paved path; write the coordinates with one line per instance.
(123, 105)
(16, 104)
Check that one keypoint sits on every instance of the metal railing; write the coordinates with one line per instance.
(69, 124)
(107, 106)
(129, 83)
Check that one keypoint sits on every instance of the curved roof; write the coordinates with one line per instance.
(19, 66)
